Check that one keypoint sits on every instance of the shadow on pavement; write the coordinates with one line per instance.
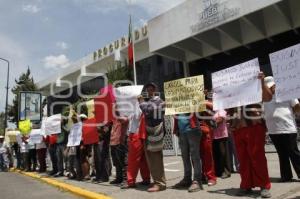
(233, 192)
(278, 180)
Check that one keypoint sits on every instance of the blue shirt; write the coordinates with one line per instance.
(184, 123)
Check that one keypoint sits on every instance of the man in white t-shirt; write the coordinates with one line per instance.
(282, 129)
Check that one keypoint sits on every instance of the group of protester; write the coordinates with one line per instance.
(207, 145)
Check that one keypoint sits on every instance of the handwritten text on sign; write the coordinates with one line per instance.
(184, 95)
(75, 135)
(35, 136)
(237, 86)
(286, 72)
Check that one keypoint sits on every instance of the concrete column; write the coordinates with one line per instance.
(186, 69)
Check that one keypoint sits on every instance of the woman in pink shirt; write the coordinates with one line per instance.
(220, 145)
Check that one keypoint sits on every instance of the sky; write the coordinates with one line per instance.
(48, 35)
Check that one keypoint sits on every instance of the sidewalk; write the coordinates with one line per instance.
(174, 171)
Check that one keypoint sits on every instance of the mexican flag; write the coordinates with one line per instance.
(130, 45)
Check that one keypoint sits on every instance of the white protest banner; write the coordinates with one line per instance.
(126, 98)
(35, 136)
(286, 71)
(184, 95)
(53, 124)
(237, 86)
(75, 135)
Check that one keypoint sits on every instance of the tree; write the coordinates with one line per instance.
(24, 83)
(119, 73)
(2, 123)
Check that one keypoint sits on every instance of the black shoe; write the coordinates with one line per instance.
(195, 187)
(183, 184)
(144, 183)
(285, 180)
(116, 181)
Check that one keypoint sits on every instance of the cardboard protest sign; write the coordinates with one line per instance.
(184, 95)
(90, 132)
(286, 71)
(104, 105)
(237, 86)
(53, 124)
(126, 99)
(35, 136)
(75, 135)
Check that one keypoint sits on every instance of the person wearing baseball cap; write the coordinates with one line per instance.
(282, 129)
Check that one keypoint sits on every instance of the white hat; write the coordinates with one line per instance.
(269, 81)
(83, 116)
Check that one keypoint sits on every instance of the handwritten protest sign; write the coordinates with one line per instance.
(237, 86)
(75, 135)
(126, 98)
(286, 71)
(184, 95)
(53, 124)
(35, 136)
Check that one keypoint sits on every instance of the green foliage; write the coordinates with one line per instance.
(24, 83)
(2, 117)
(119, 73)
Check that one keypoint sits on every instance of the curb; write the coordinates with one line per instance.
(67, 187)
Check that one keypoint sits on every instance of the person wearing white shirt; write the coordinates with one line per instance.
(282, 129)
(4, 162)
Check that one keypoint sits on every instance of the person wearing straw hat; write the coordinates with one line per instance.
(282, 129)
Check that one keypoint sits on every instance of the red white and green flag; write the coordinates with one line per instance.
(130, 45)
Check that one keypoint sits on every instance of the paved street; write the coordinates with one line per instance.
(13, 186)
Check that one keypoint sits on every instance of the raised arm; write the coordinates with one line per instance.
(266, 92)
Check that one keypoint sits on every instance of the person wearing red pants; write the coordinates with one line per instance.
(208, 167)
(136, 154)
(249, 136)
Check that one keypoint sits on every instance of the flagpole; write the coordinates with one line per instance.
(133, 47)
(134, 67)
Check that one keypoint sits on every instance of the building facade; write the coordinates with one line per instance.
(195, 37)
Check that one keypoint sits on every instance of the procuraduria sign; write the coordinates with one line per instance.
(120, 44)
